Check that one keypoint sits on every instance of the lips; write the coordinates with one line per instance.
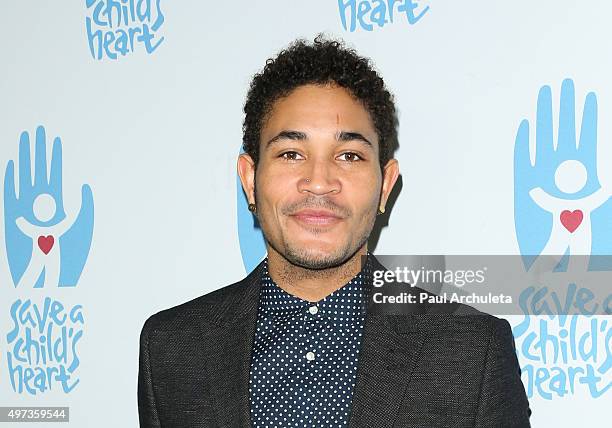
(317, 217)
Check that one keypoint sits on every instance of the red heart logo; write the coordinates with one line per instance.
(571, 219)
(45, 243)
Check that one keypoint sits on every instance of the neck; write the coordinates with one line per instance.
(312, 284)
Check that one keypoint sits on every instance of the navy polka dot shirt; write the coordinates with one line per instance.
(305, 354)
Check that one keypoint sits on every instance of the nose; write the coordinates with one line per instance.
(319, 178)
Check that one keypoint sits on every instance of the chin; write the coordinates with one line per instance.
(316, 257)
(315, 248)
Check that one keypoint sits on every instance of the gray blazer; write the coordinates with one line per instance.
(434, 366)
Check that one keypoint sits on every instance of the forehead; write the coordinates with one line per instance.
(317, 107)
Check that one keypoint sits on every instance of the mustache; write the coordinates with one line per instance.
(313, 202)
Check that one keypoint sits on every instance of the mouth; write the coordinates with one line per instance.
(316, 217)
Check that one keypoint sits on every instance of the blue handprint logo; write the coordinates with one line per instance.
(44, 245)
(560, 206)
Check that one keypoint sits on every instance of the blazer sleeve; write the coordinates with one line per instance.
(147, 410)
(503, 401)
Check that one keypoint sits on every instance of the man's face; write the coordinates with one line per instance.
(318, 182)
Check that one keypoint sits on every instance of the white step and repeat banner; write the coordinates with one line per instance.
(120, 124)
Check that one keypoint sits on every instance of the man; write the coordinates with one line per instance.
(293, 343)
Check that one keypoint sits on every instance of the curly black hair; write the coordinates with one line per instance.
(322, 62)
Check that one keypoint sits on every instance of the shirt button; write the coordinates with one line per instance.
(310, 356)
(313, 309)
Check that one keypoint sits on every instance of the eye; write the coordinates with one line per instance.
(290, 155)
(351, 157)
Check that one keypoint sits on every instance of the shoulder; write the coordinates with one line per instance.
(172, 318)
(493, 323)
(464, 317)
(211, 308)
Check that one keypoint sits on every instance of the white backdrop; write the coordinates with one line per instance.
(155, 136)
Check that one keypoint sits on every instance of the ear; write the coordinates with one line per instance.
(246, 171)
(390, 174)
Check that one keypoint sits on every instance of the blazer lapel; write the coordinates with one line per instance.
(390, 350)
(229, 343)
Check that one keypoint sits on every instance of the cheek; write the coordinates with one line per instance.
(273, 186)
(364, 193)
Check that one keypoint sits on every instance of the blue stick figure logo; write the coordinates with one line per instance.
(560, 205)
(45, 245)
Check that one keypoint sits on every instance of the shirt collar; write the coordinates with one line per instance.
(341, 306)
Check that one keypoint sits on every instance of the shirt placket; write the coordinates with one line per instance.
(311, 355)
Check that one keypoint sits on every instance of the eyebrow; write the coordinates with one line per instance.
(352, 136)
(341, 136)
(287, 135)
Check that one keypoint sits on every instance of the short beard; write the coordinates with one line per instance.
(303, 258)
